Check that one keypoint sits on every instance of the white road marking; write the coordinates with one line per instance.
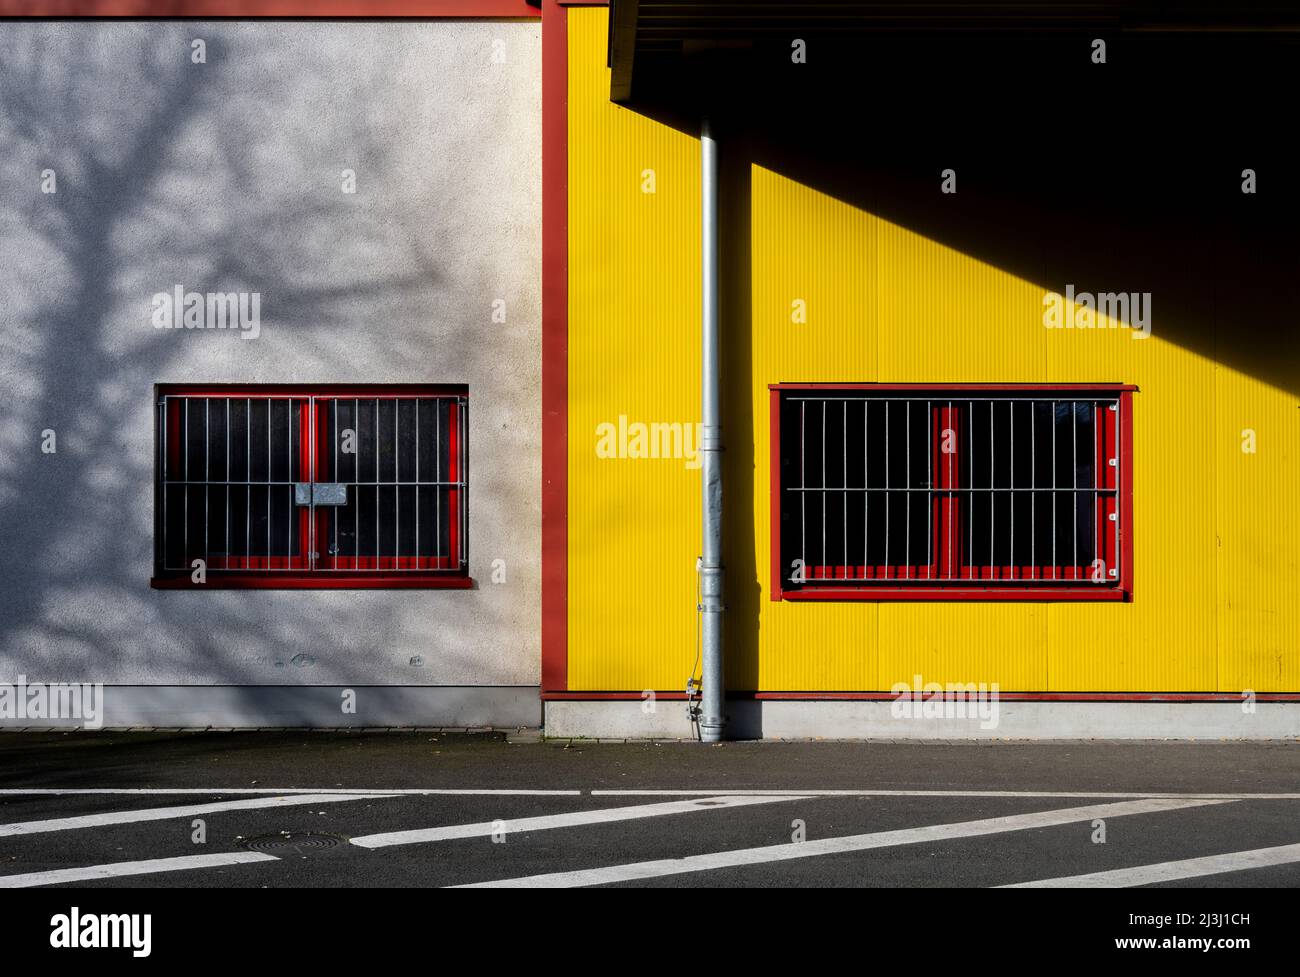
(163, 813)
(209, 791)
(1188, 868)
(116, 869)
(1084, 794)
(570, 819)
(834, 846)
(754, 792)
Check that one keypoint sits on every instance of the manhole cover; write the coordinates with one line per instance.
(292, 843)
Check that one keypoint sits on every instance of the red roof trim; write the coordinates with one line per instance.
(243, 9)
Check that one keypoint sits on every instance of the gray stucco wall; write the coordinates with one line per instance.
(227, 176)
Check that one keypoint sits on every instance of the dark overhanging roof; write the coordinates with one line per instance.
(649, 36)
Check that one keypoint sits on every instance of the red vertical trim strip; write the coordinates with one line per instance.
(948, 535)
(1126, 490)
(305, 474)
(453, 474)
(774, 463)
(937, 481)
(555, 352)
(1106, 421)
(318, 475)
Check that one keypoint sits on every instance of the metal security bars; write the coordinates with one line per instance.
(960, 492)
(324, 486)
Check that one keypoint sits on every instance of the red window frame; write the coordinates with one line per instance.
(982, 583)
(314, 571)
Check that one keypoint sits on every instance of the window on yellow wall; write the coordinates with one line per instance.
(959, 492)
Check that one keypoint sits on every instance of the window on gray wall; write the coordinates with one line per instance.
(312, 486)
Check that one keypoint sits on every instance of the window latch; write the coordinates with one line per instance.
(320, 493)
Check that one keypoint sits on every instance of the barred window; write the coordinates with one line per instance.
(962, 492)
(300, 486)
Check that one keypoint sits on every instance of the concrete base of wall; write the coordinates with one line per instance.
(250, 707)
(775, 720)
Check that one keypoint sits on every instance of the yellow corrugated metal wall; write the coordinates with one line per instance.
(1217, 572)
(634, 310)
(1258, 535)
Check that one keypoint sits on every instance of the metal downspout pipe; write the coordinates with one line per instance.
(712, 717)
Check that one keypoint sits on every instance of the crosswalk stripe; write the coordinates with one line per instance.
(209, 791)
(116, 869)
(1067, 794)
(569, 819)
(657, 792)
(163, 813)
(1187, 868)
(833, 846)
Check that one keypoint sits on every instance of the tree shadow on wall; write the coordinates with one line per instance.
(170, 172)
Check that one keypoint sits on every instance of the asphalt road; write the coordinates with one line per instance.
(421, 809)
